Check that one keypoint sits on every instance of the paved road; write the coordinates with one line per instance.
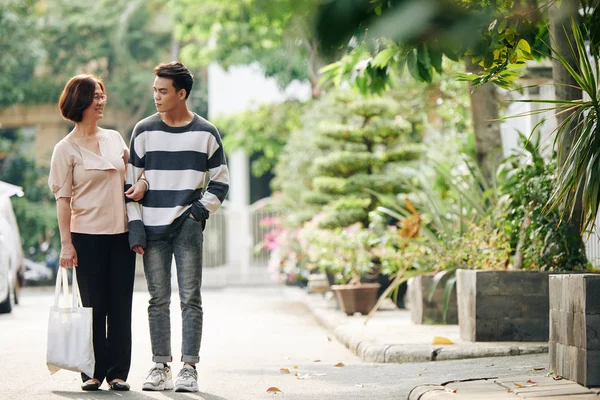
(250, 333)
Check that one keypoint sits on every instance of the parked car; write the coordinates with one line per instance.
(12, 267)
(37, 273)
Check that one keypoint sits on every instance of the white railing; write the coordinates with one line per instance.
(215, 234)
(215, 244)
(260, 211)
(592, 244)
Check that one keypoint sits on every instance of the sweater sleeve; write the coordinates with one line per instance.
(218, 185)
(135, 169)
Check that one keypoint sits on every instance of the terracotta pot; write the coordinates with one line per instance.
(356, 298)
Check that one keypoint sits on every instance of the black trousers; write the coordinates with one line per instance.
(105, 274)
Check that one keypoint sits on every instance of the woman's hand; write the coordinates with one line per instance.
(137, 191)
(68, 256)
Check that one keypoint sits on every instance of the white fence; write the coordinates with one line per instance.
(215, 243)
(216, 231)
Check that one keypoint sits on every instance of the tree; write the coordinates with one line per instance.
(275, 34)
(36, 211)
(262, 132)
(386, 37)
(360, 146)
(19, 46)
(566, 88)
(116, 40)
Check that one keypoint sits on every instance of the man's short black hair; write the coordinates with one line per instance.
(176, 71)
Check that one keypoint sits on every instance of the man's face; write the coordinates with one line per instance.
(165, 96)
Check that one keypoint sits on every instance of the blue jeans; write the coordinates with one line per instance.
(186, 244)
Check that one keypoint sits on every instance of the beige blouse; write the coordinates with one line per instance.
(94, 183)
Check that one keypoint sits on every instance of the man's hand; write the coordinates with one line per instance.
(137, 191)
(139, 249)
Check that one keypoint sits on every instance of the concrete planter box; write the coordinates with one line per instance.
(423, 311)
(574, 344)
(498, 306)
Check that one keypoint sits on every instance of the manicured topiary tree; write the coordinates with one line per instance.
(359, 145)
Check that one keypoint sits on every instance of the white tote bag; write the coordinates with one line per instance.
(70, 343)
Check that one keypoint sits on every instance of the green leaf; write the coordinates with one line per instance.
(411, 63)
(524, 45)
(425, 74)
(435, 57)
(382, 58)
(423, 56)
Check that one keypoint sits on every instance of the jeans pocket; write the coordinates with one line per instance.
(202, 221)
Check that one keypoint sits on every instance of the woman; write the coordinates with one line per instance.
(87, 178)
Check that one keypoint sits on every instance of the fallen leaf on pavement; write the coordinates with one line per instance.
(284, 370)
(518, 385)
(420, 375)
(317, 361)
(328, 339)
(442, 340)
(273, 389)
(295, 367)
(450, 390)
(532, 382)
(557, 377)
(339, 365)
(537, 369)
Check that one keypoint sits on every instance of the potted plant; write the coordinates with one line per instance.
(344, 254)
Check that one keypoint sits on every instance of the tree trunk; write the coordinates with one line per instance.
(565, 86)
(488, 141)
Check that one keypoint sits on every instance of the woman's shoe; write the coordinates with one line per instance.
(120, 386)
(90, 384)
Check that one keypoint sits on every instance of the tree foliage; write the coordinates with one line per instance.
(275, 34)
(118, 40)
(36, 211)
(262, 132)
(383, 38)
(19, 46)
(53, 40)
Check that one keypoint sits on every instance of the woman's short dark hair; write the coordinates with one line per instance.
(77, 95)
(176, 71)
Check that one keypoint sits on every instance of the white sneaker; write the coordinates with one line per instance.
(187, 379)
(159, 378)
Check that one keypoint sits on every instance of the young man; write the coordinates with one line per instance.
(174, 149)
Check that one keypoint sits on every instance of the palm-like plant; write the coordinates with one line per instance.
(579, 172)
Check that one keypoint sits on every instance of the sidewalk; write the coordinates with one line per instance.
(391, 337)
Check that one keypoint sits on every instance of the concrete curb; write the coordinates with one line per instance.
(370, 350)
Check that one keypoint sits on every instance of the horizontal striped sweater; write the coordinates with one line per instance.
(175, 162)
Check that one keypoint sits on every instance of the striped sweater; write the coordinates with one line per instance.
(175, 162)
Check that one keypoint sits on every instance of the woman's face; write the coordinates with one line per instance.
(95, 111)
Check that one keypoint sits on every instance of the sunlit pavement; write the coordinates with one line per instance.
(250, 334)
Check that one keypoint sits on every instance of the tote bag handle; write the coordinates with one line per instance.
(62, 279)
